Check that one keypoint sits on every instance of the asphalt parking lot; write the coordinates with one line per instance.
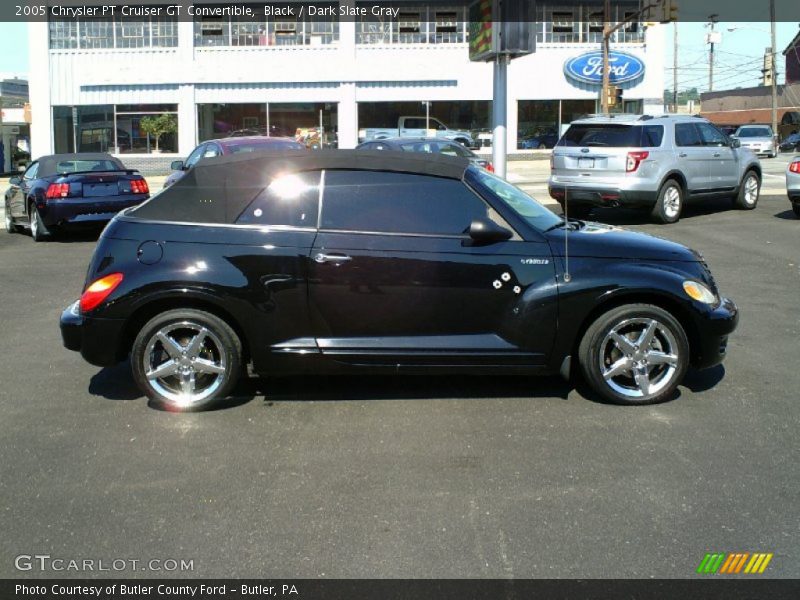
(424, 477)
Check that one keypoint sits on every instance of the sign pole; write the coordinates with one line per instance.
(499, 105)
(606, 36)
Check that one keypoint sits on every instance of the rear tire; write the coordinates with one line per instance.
(796, 209)
(669, 203)
(39, 231)
(634, 354)
(11, 227)
(749, 191)
(186, 359)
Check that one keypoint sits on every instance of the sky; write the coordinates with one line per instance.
(738, 60)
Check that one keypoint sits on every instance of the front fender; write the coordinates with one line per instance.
(598, 285)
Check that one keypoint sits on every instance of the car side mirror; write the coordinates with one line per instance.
(176, 165)
(736, 143)
(15, 180)
(486, 231)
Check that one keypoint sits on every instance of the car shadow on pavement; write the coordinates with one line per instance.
(72, 236)
(702, 381)
(787, 215)
(630, 216)
(404, 387)
(115, 383)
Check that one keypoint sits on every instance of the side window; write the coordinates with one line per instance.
(711, 135)
(377, 201)
(652, 136)
(31, 172)
(414, 124)
(289, 200)
(686, 134)
(196, 154)
(211, 151)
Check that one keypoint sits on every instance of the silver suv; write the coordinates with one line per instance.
(651, 162)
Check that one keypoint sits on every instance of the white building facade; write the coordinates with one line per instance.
(92, 83)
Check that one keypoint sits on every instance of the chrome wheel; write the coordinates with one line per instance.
(34, 224)
(672, 202)
(751, 190)
(185, 363)
(639, 357)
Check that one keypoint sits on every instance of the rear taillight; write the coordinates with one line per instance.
(57, 190)
(634, 160)
(795, 167)
(490, 167)
(139, 186)
(552, 162)
(99, 291)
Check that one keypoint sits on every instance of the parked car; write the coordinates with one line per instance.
(539, 141)
(758, 138)
(430, 145)
(793, 184)
(231, 145)
(60, 190)
(417, 127)
(657, 163)
(336, 261)
(791, 143)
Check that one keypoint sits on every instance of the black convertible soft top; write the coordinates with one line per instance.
(48, 165)
(218, 189)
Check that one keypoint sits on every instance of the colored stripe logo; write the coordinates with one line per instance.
(732, 563)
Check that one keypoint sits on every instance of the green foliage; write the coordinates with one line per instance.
(158, 125)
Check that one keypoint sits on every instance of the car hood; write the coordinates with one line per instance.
(596, 240)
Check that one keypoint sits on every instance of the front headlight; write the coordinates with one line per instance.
(697, 291)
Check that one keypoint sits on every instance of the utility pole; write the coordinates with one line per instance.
(607, 31)
(675, 67)
(712, 19)
(499, 105)
(774, 68)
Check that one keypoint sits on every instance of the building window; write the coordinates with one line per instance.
(131, 139)
(96, 34)
(312, 31)
(414, 25)
(574, 23)
(300, 121)
(109, 128)
(90, 34)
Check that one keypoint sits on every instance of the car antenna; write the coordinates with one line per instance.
(567, 276)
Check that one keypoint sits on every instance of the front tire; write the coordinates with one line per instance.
(186, 359)
(796, 209)
(669, 203)
(749, 191)
(634, 354)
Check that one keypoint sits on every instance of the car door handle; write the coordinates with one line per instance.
(717, 155)
(682, 155)
(332, 258)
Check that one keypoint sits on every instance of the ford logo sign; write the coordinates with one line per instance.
(588, 68)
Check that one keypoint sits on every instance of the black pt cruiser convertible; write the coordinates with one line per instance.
(385, 262)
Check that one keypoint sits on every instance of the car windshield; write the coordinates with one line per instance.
(747, 132)
(258, 146)
(513, 197)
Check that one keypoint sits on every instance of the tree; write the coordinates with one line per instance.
(158, 126)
